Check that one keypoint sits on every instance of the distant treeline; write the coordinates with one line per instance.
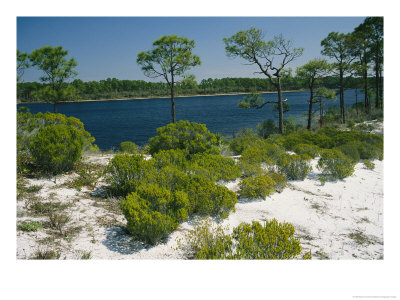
(112, 88)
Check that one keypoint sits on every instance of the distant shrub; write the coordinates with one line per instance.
(256, 187)
(126, 172)
(295, 167)
(350, 124)
(267, 154)
(55, 148)
(245, 132)
(238, 145)
(193, 137)
(335, 164)
(128, 147)
(214, 167)
(311, 150)
(369, 165)
(351, 150)
(274, 240)
(266, 128)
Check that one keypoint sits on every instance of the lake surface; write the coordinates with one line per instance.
(112, 122)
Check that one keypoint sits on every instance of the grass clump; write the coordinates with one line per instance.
(30, 226)
(294, 167)
(273, 240)
(369, 165)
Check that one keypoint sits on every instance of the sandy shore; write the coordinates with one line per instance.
(338, 220)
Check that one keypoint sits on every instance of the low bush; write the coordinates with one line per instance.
(274, 240)
(55, 148)
(351, 150)
(310, 150)
(214, 167)
(257, 187)
(294, 167)
(208, 198)
(144, 221)
(172, 157)
(238, 145)
(193, 137)
(336, 164)
(279, 179)
(207, 242)
(128, 147)
(126, 172)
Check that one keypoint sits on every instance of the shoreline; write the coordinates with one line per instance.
(163, 97)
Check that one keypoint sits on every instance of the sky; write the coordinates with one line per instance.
(108, 46)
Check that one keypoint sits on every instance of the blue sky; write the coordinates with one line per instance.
(107, 46)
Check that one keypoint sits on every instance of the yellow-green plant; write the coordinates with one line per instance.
(295, 167)
(55, 148)
(191, 136)
(256, 187)
(336, 164)
(128, 147)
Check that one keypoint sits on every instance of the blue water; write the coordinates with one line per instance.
(112, 122)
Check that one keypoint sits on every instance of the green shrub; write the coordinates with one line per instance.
(30, 226)
(294, 167)
(207, 242)
(128, 147)
(351, 150)
(310, 150)
(126, 172)
(143, 223)
(184, 135)
(55, 148)
(335, 164)
(267, 154)
(368, 164)
(257, 187)
(238, 145)
(174, 157)
(28, 125)
(274, 240)
(279, 179)
(214, 167)
(208, 198)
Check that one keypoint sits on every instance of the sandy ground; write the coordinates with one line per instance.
(327, 218)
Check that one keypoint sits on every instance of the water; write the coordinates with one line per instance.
(112, 122)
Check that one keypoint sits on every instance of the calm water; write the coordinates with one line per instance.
(112, 122)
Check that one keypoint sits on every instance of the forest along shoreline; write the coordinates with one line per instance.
(163, 97)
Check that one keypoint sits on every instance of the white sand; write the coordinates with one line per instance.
(323, 217)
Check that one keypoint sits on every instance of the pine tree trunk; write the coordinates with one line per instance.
(377, 78)
(173, 99)
(310, 108)
(280, 107)
(341, 93)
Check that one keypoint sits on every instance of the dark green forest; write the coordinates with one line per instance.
(113, 88)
